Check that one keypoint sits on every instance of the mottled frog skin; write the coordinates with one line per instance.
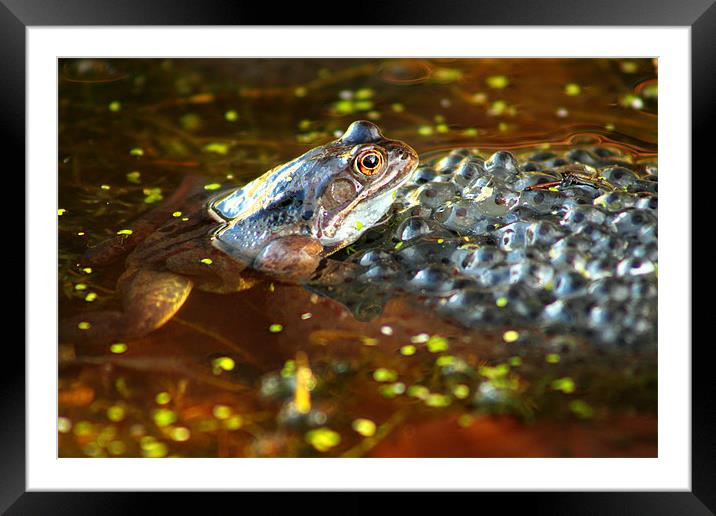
(283, 225)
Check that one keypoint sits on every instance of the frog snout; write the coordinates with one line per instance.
(406, 153)
(402, 152)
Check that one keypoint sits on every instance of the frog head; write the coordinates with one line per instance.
(333, 193)
(358, 176)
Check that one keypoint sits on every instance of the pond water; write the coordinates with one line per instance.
(392, 363)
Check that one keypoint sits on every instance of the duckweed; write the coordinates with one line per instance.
(217, 148)
(323, 439)
(223, 364)
(446, 74)
(631, 101)
(163, 398)
(572, 89)
(552, 358)
(438, 400)
(492, 373)
(153, 195)
(154, 449)
(116, 448)
(164, 417)
(364, 427)
(115, 413)
(385, 375)
(392, 390)
(497, 81)
(134, 176)
(437, 344)
(180, 434)
(235, 422)
(582, 409)
(445, 360)
(221, 411)
(420, 338)
(369, 341)
(407, 350)
(510, 336)
(83, 428)
(565, 385)
(418, 391)
(118, 348)
(64, 425)
(461, 391)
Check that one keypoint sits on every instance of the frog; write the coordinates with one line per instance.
(284, 225)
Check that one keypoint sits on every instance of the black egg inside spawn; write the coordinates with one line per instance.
(374, 257)
(424, 175)
(515, 242)
(433, 279)
(413, 227)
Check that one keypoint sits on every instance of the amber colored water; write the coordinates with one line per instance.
(230, 120)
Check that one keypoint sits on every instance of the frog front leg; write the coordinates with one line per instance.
(150, 299)
(291, 258)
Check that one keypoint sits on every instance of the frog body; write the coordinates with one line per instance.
(284, 224)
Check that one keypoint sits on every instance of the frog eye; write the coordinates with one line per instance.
(369, 162)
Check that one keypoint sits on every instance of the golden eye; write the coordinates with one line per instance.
(369, 162)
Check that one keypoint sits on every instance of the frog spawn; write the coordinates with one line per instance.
(474, 239)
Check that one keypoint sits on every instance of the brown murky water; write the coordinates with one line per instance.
(216, 381)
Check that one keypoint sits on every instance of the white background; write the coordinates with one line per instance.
(671, 470)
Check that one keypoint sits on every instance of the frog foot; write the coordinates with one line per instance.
(151, 298)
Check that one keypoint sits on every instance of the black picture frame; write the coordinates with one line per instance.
(700, 15)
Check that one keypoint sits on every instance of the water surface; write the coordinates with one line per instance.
(216, 380)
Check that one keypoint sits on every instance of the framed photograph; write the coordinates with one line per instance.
(419, 255)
